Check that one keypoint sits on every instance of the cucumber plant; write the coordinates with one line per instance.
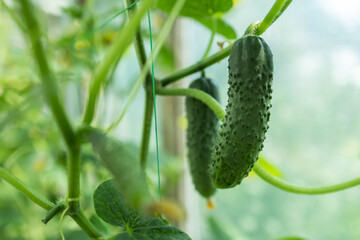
(243, 130)
(124, 201)
(201, 135)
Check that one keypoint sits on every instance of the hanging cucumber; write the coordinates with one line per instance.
(242, 133)
(201, 136)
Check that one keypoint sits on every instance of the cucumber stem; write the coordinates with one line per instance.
(266, 176)
(202, 64)
(276, 10)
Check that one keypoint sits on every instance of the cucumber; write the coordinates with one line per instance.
(242, 134)
(201, 136)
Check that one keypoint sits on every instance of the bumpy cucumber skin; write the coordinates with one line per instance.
(242, 133)
(201, 136)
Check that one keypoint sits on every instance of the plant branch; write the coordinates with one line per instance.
(115, 52)
(195, 93)
(276, 10)
(259, 170)
(206, 62)
(13, 16)
(86, 225)
(51, 94)
(26, 190)
(49, 87)
(148, 115)
(149, 101)
(73, 192)
(160, 41)
(262, 173)
(79, 217)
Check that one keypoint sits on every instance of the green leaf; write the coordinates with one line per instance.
(112, 208)
(217, 230)
(222, 27)
(123, 164)
(198, 8)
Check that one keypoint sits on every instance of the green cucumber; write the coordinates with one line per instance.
(242, 133)
(201, 136)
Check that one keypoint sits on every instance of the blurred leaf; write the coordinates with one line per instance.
(291, 238)
(75, 234)
(124, 166)
(74, 11)
(199, 8)
(110, 206)
(166, 59)
(218, 230)
(222, 27)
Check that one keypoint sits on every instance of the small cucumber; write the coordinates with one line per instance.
(201, 136)
(242, 133)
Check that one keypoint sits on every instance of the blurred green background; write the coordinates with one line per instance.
(313, 137)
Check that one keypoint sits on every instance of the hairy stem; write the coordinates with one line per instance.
(115, 52)
(26, 190)
(259, 170)
(204, 63)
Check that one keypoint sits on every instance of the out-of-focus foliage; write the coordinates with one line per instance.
(206, 12)
(111, 207)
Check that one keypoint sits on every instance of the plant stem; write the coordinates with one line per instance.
(149, 101)
(26, 190)
(276, 10)
(212, 103)
(261, 172)
(73, 166)
(59, 207)
(51, 94)
(118, 48)
(79, 217)
(197, 66)
(13, 16)
(148, 115)
(47, 77)
(195, 93)
(86, 225)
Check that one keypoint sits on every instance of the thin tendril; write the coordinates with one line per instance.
(153, 82)
(61, 221)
